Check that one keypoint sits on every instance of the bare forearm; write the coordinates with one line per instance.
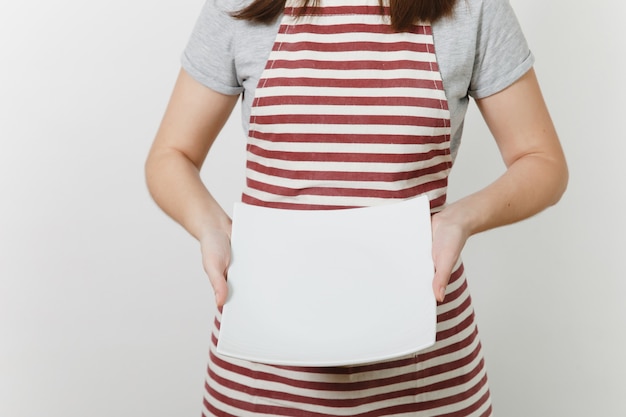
(530, 184)
(174, 183)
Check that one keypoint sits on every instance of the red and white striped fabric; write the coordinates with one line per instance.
(349, 114)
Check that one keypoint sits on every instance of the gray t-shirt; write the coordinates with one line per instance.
(481, 50)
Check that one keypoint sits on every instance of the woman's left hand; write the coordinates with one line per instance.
(449, 237)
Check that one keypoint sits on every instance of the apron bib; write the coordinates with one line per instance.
(348, 114)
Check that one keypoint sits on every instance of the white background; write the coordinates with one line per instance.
(104, 308)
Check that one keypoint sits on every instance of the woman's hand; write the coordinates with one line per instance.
(449, 237)
(215, 248)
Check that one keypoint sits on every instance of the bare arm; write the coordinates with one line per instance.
(535, 178)
(194, 117)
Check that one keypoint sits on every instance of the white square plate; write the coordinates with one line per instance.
(329, 287)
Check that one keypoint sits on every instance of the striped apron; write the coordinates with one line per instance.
(346, 114)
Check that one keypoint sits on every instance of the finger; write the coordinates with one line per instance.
(443, 270)
(439, 286)
(220, 287)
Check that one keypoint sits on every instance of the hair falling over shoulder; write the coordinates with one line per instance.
(404, 13)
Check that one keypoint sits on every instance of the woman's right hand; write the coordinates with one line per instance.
(215, 248)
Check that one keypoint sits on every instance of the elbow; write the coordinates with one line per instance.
(147, 170)
(150, 171)
(560, 180)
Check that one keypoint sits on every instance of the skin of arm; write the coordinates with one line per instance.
(193, 118)
(535, 178)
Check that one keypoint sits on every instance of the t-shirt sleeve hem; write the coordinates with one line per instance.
(208, 81)
(505, 81)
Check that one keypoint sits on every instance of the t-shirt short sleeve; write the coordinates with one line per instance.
(502, 53)
(209, 56)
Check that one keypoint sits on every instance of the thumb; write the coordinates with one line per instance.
(220, 287)
(443, 270)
